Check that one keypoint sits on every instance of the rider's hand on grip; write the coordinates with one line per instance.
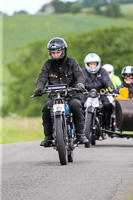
(38, 91)
(80, 86)
(112, 91)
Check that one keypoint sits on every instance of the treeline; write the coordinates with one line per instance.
(112, 9)
(90, 3)
(113, 45)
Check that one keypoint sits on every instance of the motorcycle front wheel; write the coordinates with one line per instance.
(60, 138)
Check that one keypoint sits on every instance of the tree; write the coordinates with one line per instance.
(24, 73)
(21, 12)
(97, 8)
(89, 3)
(76, 8)
(113, 10)
(61, 7)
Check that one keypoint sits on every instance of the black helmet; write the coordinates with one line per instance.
(57, 44)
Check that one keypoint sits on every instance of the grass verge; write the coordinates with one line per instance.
(20, 129)
(17, 129)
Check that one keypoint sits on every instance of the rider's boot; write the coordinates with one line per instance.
(47, 141)
(82, 139)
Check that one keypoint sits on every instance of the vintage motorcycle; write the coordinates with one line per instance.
(62, 122)
(121, 117)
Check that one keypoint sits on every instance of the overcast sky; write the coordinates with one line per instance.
(31, 6)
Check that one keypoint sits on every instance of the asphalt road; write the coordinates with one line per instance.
(103, 172)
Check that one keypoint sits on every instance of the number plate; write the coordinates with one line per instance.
(92, 102)
(58, 107)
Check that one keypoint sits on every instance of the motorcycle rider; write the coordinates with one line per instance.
(97, 78)
(115, 79)
(127, 78)
(60, 69)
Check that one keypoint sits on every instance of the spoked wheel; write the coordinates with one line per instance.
(88, 132)
(61, 143)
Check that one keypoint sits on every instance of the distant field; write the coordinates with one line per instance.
(127, 10)
(20, 30)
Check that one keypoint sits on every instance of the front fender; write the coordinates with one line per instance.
(58, 113)
(90, 109)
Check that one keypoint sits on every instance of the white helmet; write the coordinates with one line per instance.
(92, 57)
(109, 68)
(127, 70)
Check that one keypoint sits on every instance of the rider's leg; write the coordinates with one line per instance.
(78, 118)
(46, 117)
(107, 111)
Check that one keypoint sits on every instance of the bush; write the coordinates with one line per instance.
(113, 10)
(97, 8)
(76, 8)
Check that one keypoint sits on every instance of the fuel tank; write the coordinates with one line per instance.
(124, 115)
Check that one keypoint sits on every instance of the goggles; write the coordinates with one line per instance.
(125, 76)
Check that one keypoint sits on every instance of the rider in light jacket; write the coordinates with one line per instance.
(115, 79)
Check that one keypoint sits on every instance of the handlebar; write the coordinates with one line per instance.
(48, 91)
(94, 93)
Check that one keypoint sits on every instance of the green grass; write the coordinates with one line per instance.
(130, 196)
(20, 129)
(20, 30)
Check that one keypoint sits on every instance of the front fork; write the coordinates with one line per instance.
(95, 121)
(53, 115)
(68, 129)
(92, 110)
(70, 132)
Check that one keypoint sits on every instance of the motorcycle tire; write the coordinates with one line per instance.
(61, 143)
(88, 122)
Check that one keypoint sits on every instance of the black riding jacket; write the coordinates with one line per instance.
(130, 89)
(98, 81)
(66, 71)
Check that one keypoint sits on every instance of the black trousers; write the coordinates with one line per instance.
(107, 111)
(75, 108)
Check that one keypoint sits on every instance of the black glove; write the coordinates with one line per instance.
(80, 86)
(38, 91)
